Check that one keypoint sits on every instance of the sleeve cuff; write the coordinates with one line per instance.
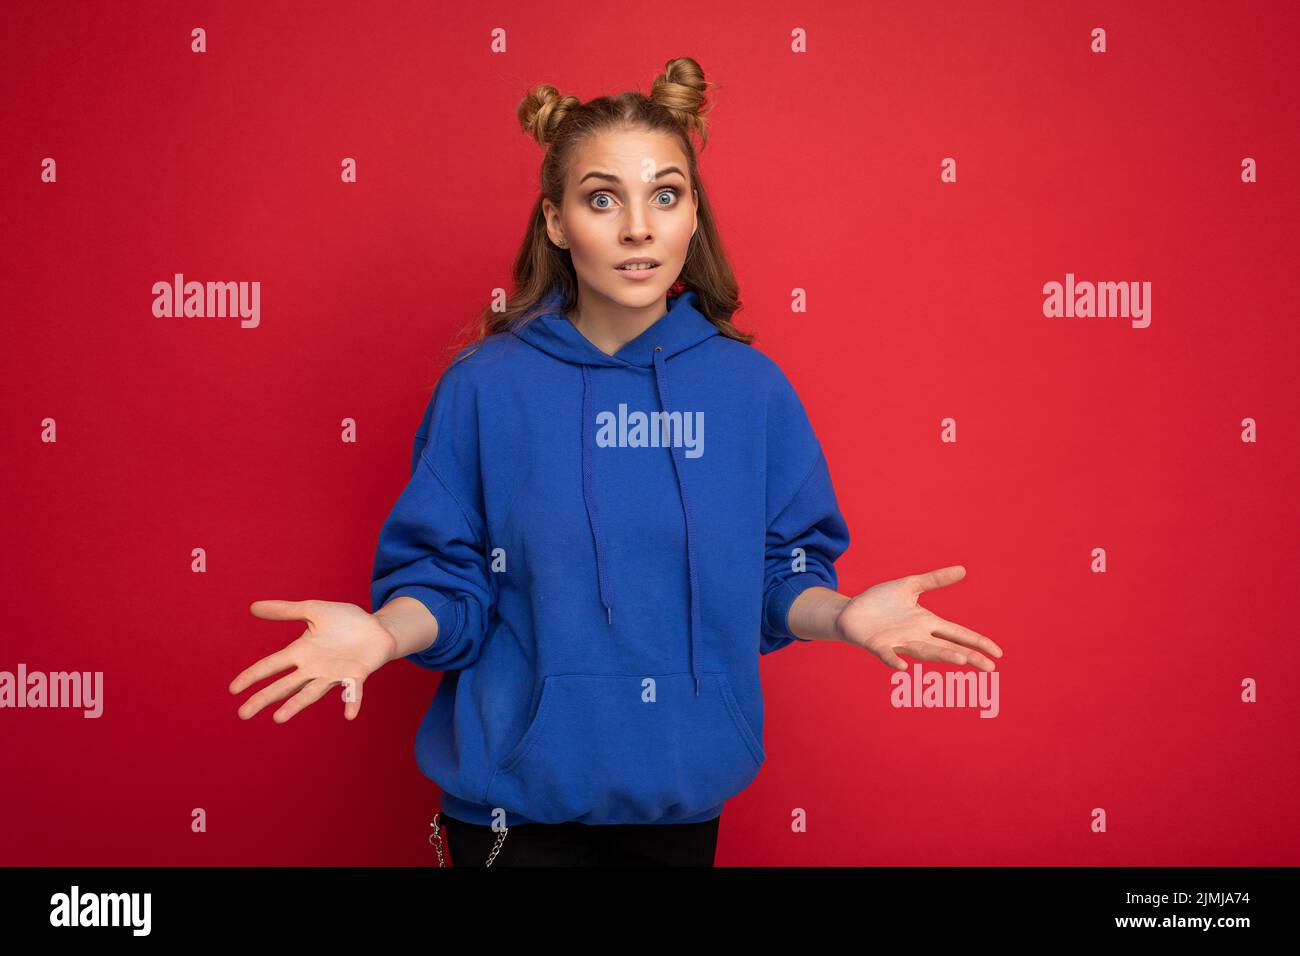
(784, 597)
(446, 610)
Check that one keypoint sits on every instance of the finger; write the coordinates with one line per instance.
(352, 707)
(271, 693)
(967, 655)
(964, 635)
(887, 656)
(940, 578)
(313, 692)
(933, 651)
(283, 610)
(272, 664)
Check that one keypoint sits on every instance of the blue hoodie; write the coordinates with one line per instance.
(604, 578)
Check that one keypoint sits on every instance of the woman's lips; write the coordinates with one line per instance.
(637, 273)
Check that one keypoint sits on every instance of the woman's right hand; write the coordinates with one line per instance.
(343, 644)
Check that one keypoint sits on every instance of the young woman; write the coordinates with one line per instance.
(616, 504)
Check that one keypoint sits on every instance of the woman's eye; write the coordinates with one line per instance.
(597, 204)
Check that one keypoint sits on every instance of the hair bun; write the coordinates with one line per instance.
(680, 89)
(542, 110)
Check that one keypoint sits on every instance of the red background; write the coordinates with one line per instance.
(1118, 690)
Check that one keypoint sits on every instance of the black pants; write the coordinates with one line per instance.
(577, 844)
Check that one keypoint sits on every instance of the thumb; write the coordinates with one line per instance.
(281, 610)
(352, 697)
(941, 578)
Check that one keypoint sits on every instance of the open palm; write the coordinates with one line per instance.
(343, 644)
(887, 620)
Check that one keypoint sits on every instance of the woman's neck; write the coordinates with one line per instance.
(611, 328)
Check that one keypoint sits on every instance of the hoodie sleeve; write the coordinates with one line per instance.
(806, 533)
(432, 545)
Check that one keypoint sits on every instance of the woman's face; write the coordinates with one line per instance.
(627, 197)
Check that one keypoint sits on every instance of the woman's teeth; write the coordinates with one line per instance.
(638, 265)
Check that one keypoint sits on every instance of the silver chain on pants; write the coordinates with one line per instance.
(435, 838)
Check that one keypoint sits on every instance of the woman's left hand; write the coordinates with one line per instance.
(886, 620)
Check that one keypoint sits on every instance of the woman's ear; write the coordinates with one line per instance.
(551, 214)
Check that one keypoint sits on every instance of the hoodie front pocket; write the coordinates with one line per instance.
(624, 750)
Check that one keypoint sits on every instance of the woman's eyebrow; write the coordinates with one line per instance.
(614, 179)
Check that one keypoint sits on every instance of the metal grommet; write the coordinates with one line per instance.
(659, 348)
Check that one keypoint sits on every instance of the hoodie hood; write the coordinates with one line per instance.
(680, 328)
